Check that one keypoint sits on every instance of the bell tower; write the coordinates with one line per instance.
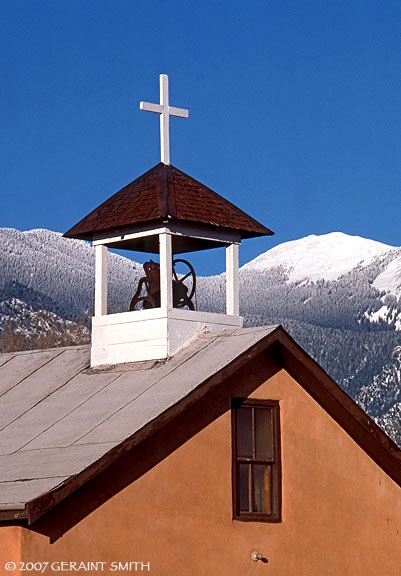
(168, 213)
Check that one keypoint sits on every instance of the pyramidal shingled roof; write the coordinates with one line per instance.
(165, 192)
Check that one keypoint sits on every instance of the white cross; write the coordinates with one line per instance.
(165, 112)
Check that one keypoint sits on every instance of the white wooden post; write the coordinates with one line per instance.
(232, 280)
(166, 271)
(101, 253)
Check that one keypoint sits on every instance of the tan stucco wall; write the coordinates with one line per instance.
(341, 512)
(10, 548)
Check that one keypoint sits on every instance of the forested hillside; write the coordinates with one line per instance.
(347, 315)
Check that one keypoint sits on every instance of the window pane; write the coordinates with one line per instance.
(244, 487)
(244, 432)
(264, 433)
(261, 486)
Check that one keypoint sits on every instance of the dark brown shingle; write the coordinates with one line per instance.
(166, 192)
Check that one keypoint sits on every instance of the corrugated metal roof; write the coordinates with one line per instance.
(57, 416)
(165, 192)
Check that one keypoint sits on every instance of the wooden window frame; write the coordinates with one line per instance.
(276, 494)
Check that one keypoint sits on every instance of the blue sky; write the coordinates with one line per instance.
(295, 111)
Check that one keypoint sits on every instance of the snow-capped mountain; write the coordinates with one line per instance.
(340, 259)
(338, 295)
(325, 257)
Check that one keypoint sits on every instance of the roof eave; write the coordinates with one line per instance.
(90, 236)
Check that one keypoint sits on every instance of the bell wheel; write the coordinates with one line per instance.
(184, 273)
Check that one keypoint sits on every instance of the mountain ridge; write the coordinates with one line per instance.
(328, 256)
(349, 319)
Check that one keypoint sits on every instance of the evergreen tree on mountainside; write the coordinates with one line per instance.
(348, 325)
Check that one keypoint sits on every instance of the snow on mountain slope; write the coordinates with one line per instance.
(390, 279)
(391, 423)
(385, 314)
(384, 391)
(325, 257)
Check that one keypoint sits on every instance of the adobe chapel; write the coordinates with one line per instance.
(178, 441)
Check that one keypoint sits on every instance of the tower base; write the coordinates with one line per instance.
(153, 334)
